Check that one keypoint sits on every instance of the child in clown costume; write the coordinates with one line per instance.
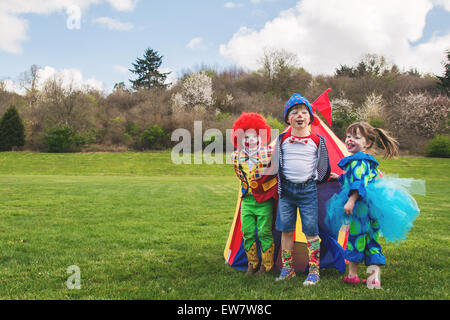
(303, 163)
(369, 205)
(251, 162)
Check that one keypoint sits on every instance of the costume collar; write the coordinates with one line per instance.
(357, 156)
(294, 139)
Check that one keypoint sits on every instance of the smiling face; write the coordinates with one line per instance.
(299, 117)
(251, 141)
(355, 142)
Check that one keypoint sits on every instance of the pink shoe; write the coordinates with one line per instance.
(352, 280)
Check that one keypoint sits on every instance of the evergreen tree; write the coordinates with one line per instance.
(12, 131)
(146, 69)
(444, 82)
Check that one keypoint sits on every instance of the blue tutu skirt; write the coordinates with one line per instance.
(387, 201)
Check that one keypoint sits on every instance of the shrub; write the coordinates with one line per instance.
(377, 122)
(343, 114)
(131, 128)
(208, 140)
(64, 139)
(154, 138)
(12, 131)
(439, 146)
(223, 115)
(275, 124)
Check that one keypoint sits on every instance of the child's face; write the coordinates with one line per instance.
(251, 140)
(355, 143)
(299, 117)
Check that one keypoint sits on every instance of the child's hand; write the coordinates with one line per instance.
(334, 175)
(349, 206)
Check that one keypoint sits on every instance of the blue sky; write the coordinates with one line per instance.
(113, 33)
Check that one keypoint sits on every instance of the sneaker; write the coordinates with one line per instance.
(312, 279)
(286, 274)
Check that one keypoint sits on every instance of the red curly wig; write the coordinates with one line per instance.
(248, 121)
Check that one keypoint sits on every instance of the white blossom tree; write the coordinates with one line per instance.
(196, 93)
(373, 110)
(422, 113)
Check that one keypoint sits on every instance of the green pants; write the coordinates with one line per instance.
(256, 216)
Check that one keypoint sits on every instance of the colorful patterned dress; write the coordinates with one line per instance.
(383, 207)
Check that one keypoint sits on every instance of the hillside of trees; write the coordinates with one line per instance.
(414, 107)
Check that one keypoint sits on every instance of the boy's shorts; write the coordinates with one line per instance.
(304, 197)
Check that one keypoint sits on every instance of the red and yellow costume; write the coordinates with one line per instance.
(259, 190)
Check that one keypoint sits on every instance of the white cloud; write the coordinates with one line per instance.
(113, 24)
(11, 86)
(231, 5)
(171, 77)
(123, 5)
(69, 79)
(121, 69)
(13, 28)
(259, 1)
(194, 43)
(13, 31)
(327, 33)
(444, 3)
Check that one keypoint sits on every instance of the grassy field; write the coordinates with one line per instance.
(140, 227)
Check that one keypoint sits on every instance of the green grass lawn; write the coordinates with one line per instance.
(140, 227)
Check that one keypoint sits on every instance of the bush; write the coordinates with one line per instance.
(377, 122)
(12, 131)
(64, 139)
(208, 140)
(154, 138)
(439, 146)
(223, 115)
(343, 114)
(275, 124)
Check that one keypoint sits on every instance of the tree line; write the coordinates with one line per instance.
(414, 107)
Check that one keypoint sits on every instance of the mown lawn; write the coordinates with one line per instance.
(140, 227)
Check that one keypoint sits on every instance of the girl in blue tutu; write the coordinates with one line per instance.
(369, 204)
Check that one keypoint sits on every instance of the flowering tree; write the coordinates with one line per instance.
(196, 93)
(343, 114)
(423, 114)
(373, 110)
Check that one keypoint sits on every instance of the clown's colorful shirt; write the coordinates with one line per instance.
(361, 169)
(250, 177)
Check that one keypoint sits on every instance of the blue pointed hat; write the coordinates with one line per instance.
(295, 100)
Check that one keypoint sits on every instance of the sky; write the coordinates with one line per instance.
(94, 42)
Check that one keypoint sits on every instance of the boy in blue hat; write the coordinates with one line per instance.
(303, 162)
